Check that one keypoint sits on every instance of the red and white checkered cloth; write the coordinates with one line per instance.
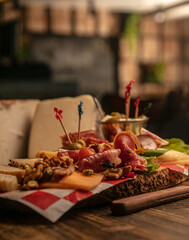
(53, 203)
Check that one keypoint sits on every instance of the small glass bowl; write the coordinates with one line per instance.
(110, 129)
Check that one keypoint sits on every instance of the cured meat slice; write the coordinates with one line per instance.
(160, 141)
(147, 142)
(88, 133)
(126, 142)
(88, 136)
(94, 161)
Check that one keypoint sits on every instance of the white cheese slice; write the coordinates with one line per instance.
(46, 129)
(173, 157)
(15, 122)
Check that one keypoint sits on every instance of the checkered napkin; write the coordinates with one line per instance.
(53, 203)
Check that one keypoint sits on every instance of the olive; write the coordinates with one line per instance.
(81, 141)
(74, 146)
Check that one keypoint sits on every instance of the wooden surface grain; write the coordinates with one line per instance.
(170, 221)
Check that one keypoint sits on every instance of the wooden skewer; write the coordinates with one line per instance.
(136, 103)
(128, 98)
(65, 131)
(128, 107)
(79, 126)
(136, 112)
(80, 112)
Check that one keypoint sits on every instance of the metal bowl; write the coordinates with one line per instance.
(110, 129)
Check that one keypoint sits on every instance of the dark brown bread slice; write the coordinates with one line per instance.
(143, 183)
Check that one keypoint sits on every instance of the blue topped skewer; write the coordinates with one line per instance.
(80, 112)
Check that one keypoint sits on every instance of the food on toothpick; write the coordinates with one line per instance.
(123, 159)
(86, 138)
(117, 122)
(89, 166)
(45, 133)
(86, 156)
(81, 139)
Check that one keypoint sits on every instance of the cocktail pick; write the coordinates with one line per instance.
(136, 103)
(80, 112)
(128, 98)
(97, 106)
(59, 117)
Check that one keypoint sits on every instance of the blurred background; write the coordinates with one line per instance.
(57, 48)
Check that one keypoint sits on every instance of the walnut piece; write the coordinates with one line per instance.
(116, 173)
(113, 173)
(48, 169)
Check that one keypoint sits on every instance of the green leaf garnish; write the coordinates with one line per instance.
(178, 145)
(151, 166)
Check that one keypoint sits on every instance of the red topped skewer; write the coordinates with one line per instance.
(59, 117)
(128, 98)
(136, 103)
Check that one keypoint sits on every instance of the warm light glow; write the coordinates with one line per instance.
(124, 6)
(178, 12)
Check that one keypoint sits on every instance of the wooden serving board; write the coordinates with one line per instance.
(161, 179)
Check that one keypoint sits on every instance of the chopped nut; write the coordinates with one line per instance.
(48, 169)
(64, 171)
(28, 168)
(33, 184)
(39, 171)
(113, 173)
(66, 161)
(88, 172)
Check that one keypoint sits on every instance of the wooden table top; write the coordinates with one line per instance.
(169, 221)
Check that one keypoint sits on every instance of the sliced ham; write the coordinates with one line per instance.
(160, 141)
(96, 160)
